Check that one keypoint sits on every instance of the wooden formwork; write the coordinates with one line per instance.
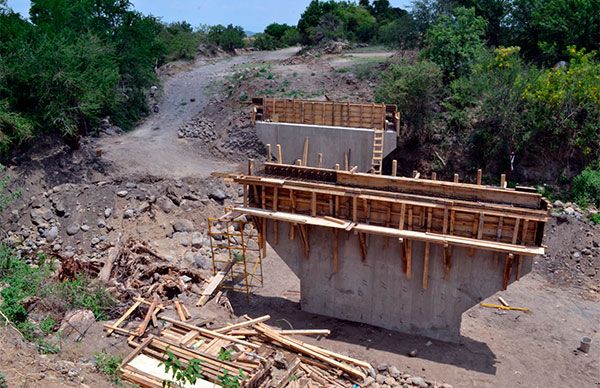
(506, 221)
(328, 113)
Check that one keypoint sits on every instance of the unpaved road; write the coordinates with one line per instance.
(153, 148)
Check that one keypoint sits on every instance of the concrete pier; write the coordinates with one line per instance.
(377, 292)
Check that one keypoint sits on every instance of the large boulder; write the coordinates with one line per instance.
(75, 324)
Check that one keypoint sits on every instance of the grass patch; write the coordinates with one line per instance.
(109, 365)
(595, 218)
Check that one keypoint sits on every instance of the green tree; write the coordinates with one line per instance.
(455, 42)
(228, 38)
(416, 89)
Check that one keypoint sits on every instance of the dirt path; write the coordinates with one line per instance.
(153, 148)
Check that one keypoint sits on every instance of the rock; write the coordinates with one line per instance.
(382, 367)
(218, 195)
(72, 229)
(122, 193)
(390, 380)
(202, 261)
(183, 225)
(197, 240)
(418, 381)
(100, 223)
(412, 353)
(107, 212)
(182, 238)
(165, 204)
(130, 185)
(446, 385)
(558, 204)
(569, 211)
(562, 217)
(95, 241)
(394, 372)
(74, 323)
(51, 234)
(59, 208)
(56, 247)
(85, 228)
(39, 215)
(368, 381)
(380, 379)
(185, 278)
(129, 213)
(144, 206)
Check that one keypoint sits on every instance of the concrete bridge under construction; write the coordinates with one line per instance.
(407, 254)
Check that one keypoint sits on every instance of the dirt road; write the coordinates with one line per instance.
(153, 148)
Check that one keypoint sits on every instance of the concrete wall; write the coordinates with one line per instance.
(332, 142)
(377, 292)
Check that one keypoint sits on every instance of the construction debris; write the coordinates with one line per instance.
(250, 351)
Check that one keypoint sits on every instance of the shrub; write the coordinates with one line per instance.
(180, 41)
(455, 42)
(264, 42)
(585, 189)
(6, 197)
(228, 38)
(565, 104)
(109, 365)
(416, 89)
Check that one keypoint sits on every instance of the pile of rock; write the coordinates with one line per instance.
(389, 376)
(198, 128)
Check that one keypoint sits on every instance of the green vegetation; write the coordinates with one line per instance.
(225, 355)
(586, 187)
(24, 282)
(181, 376)
(595, 218)
(227, 37)
(109, 365)
(75, 62)
(277, 36)
(6, 197)
(230, 381)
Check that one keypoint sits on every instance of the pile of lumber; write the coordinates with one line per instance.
(254, 353)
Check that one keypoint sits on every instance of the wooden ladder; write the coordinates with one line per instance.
(377, 160)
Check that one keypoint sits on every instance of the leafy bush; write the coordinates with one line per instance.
(585, 189)
(228, 38)
(264, 42)
(565, 104)
(181, 41)
(455, 42)
(399, 33)
(417, 91)
(71, 65)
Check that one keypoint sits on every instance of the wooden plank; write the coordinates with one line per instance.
(214, 283)
(124, 317)
(209, 333)
(293, 345)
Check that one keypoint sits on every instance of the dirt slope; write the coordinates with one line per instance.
(154, 148)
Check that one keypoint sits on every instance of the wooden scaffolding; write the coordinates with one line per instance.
(241, 267)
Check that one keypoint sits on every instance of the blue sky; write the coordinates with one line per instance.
(253, 15)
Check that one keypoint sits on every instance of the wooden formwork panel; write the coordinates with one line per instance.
(327, 113)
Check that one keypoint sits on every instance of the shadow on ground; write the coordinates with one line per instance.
(285, 313)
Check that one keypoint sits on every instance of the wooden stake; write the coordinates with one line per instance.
(279, 154)
(455, 178)
(394, 167)
(503, 181)
(434, 176)
(305, 152)
(269, 157)
(479, 176)
(320, 160)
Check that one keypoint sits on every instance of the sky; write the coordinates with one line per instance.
(253, 15)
